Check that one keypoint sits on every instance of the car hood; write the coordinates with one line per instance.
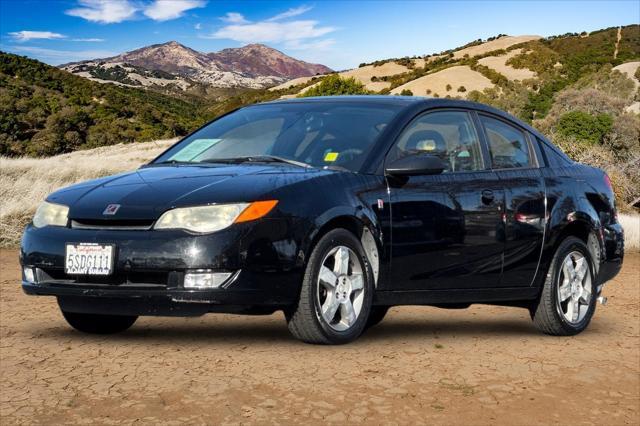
(148, 192)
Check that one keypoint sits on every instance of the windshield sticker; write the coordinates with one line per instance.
(330, 157)
(194, 149)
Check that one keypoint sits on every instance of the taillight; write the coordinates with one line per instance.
(607, 180)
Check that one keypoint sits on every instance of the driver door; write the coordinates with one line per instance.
(446, 230)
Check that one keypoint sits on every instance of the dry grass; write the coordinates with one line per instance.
(499, 63)
(294, 82)
(25, 182)
(631, 225)
(437, 82)
(629, 68)
(501, 43)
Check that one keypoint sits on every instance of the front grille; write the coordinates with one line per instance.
(132, 278)
(124, 225)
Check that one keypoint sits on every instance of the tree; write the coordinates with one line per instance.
(406, 92)
(462, 89)
(335, 85)
(448, 87)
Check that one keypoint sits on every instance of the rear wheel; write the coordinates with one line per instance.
(99, 324)
(336, 294)
(567, 302)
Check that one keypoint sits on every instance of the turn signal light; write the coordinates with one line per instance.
(256, 210)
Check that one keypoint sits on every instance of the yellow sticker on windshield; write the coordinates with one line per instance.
(330, 157)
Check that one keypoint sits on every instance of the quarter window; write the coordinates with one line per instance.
(448, 135)
(507, 145)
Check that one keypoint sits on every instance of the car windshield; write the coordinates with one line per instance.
(316, 134)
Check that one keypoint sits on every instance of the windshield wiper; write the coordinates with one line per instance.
(258, 159)
(168, 162)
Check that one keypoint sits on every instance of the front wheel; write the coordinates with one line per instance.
(376, 315)
(336, 294)
(99, 324)
(567, 301)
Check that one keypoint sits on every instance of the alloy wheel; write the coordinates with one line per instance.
(340, 289)
(575, 288)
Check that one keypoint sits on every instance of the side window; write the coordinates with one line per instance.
(507, 145)
(448, 135)
(555, 158)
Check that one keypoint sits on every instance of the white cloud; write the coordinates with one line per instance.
(272, 32)
(164, 10)
(294, 34)
(104, 11)
(294, 11)
(234, 18)
(324, 44)
(32, 35)
(198, 26)
(53, 56)
(90, 40)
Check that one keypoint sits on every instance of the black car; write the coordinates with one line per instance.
(332, 210)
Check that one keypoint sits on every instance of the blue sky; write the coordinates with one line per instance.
(340, 34)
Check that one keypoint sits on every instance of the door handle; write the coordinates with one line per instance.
(487, 196)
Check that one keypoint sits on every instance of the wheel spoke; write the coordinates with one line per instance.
(348, 313)
(330, 307)
(581, 268)
(586, 294)
(357, 282)
(565, 290)
(327, 277)
(568, 268)
(341, 265)
(575, 310)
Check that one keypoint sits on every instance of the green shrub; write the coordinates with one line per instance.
(406, 92)
(584, 126)
(335, 85)
(462, 89)
(449, 87)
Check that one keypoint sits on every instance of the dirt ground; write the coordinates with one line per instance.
(483, 365)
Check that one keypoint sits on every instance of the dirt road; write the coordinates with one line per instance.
(483, 365)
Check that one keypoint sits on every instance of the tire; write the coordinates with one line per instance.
(551, 314)
(99, 324)
(343, 283)
(376, 315)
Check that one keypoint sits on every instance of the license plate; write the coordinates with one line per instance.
(89, 259)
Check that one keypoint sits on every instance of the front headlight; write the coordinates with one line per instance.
(204, 219)
(49, 214)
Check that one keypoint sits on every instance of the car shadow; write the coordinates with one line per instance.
(271, 331)
(429, 327)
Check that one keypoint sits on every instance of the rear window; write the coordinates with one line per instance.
(555, 157)
(507, 145)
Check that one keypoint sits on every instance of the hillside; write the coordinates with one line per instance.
(580, 89)
(533, 67)
(173, 64)
(47, 111)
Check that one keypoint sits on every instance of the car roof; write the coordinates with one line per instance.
(407, 102)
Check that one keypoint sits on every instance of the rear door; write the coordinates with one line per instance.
(514, 160)
(446, 230)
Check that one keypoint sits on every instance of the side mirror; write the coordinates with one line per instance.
(415, 165)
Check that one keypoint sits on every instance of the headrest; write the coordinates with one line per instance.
(426, 141)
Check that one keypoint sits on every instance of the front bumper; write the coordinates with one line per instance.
(149, 268)
(138, 300)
